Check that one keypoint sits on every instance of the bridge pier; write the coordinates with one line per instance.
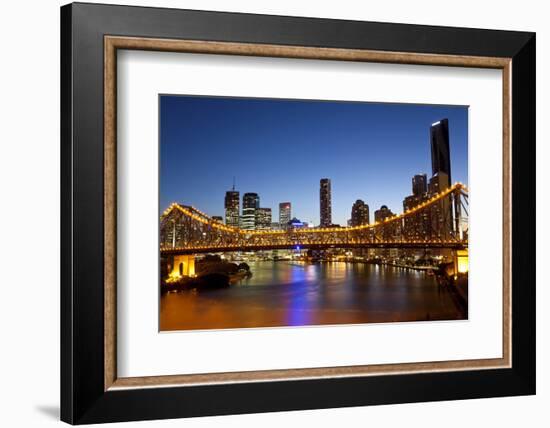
(460, 262)
(183, 265)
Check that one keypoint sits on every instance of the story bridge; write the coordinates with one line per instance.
(436, 222)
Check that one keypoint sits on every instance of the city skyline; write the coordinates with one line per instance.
(372, 176)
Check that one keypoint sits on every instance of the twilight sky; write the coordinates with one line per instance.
(280, 149)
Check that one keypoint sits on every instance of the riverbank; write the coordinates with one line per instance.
(211, 273)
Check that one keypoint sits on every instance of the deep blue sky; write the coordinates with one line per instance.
(280, 149)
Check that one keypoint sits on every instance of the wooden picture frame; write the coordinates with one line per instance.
(91, 390)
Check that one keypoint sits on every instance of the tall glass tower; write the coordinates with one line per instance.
(263, 218)
(419, 184)
(251, 202)
(284, 214)
(232, 208)
(325, 196)
(441, 156)
(359, 213)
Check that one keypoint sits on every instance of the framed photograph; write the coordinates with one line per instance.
(266, 213)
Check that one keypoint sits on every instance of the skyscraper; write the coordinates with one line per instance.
(441, 156)
(383, 213)
(263, 218)
(419, 184)
(416, 225)
(359, 213)
(251, 202)
(441, 211)
(284, 214)
(232, 208)
(438, 183)
(389, 232)
(325, 196)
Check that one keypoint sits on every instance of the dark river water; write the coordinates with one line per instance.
(296, 294)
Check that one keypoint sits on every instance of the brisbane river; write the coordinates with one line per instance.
(298, 294)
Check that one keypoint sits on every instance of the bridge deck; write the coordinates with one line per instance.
(389, 245)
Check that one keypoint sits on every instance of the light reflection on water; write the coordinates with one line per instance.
(292, 294)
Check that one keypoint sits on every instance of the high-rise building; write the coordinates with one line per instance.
(359, 213)
(251, 202)
(325, 196)
(416, 225)
(419, 184)
(441, 156)
(232, 208)
(263, 218)
(441, 211)
(383, 213)
(389, 232)
(284, 214)
(438, 183)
